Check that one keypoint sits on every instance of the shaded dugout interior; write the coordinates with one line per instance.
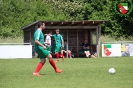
(73, 31)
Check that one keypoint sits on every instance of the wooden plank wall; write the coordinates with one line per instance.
(74, 44)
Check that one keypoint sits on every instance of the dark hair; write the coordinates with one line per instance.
(65, 40)
(40, 24)
(57, 30)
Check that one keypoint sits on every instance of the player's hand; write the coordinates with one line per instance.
(44, 47)
(62, 47)
(49, 34)
(48, 43)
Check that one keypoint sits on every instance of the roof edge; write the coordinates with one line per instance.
(24, 27)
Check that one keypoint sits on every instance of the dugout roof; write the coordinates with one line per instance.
(68, 24)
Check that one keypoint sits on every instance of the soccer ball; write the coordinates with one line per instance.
(112, 71)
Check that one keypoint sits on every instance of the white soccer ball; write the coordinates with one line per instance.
(112, 71)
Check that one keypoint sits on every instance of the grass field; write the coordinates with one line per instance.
(77, 73)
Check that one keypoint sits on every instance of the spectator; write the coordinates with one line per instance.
(85, 48)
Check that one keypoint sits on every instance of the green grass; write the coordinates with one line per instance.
(77, 73)
(11, 40)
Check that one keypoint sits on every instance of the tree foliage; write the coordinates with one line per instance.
(16, 13)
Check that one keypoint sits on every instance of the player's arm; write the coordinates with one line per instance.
(37, 42)
(48, 34)
(62, 41)
(45, 34)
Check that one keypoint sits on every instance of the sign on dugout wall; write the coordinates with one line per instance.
(117, 50)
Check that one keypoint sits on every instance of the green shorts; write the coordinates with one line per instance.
(49, 48)
(42, 53)
(57, 48)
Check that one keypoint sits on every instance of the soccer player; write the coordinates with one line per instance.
(58, 44)
(65, 50)
(48, 41)
(42, 51)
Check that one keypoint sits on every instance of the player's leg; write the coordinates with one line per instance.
(57, 56)
(57, 52)
(62, 55)
(51, 61)
(42, 56)
(69, 54)
(39, 66)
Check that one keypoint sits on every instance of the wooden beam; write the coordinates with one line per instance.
(63, 23)
(98, 31)
(71, 23)
(53, 23)
(77, 44)
(75, 23)
(83, 23)
(67, 44)
(71, 27)
(48, 23)
(30, 37)
(99, 27)
(97, 42)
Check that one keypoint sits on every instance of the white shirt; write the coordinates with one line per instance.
(48, 40)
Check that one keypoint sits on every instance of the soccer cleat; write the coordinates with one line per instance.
(57, 60)
(58, 70)
(36, 74)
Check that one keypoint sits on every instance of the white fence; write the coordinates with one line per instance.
(15, 50)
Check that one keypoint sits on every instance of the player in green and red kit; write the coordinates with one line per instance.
(58, 44)
(66, 50)
(42, 51)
